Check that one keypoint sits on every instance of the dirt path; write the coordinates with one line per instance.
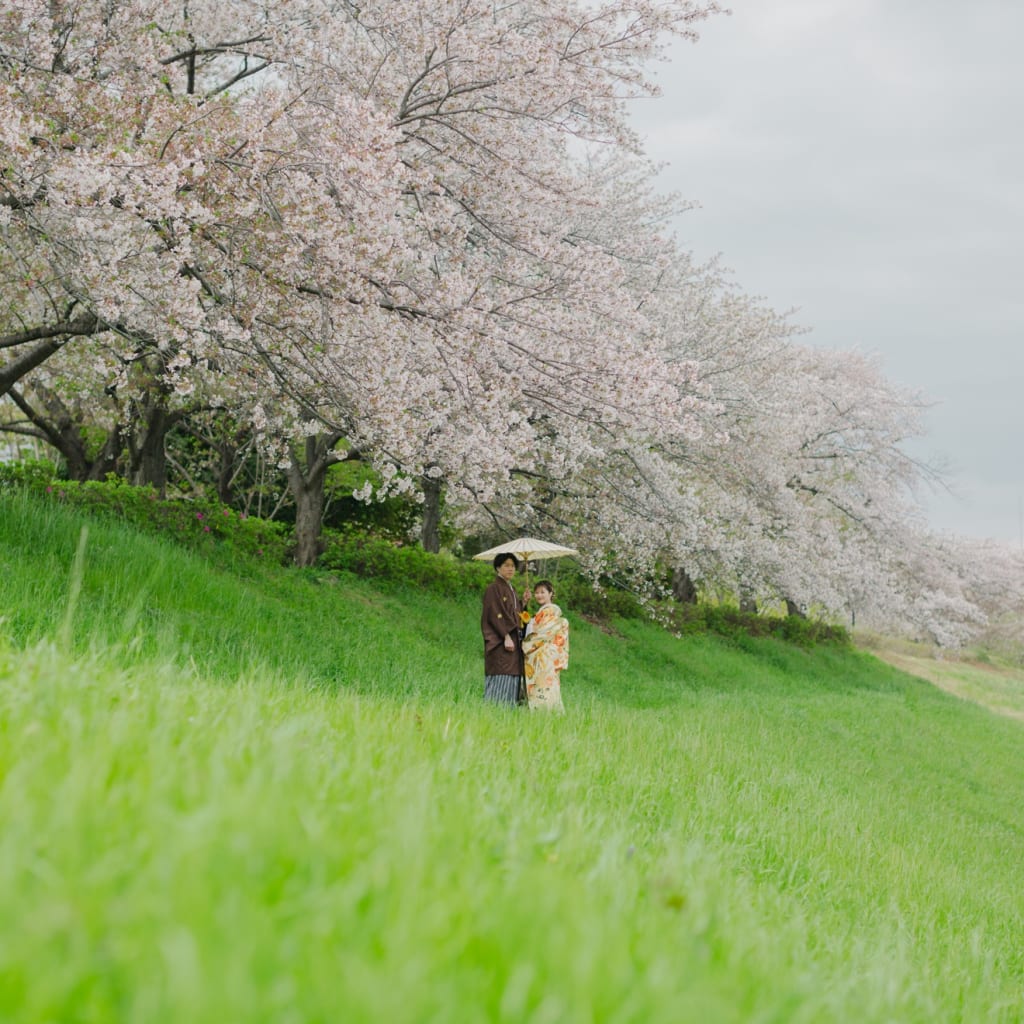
(1000, 690)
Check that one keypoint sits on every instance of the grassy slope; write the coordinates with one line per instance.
(999, 687)
(230, 794)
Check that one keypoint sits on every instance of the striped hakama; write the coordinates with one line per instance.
(502, 689)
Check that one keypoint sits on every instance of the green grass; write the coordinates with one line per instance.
(230, 793)
(992, 683)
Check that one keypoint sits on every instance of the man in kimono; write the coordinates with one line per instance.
(500, 623)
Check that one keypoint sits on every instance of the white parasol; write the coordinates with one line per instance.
(527, 549)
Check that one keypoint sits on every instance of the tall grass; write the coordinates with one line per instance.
(274, 796)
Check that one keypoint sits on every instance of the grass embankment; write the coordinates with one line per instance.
(996, 685)
(241, 794)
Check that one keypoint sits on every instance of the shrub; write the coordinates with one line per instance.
(208, 523)
(384, 559)
(393, 561)
(576, 593)
(194, 522)
(32, 474)
(729, 622)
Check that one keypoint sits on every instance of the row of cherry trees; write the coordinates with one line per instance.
(423, 235)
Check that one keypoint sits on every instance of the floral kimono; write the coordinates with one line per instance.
(546, 646)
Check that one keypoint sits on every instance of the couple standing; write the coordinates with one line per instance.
(522, 667)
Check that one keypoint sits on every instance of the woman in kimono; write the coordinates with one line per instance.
(501, 624)
(546, 647)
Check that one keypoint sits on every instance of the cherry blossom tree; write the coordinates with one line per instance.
(423, 233)
(992, 577)
(796, 490)
(328, 198)
(520, 316)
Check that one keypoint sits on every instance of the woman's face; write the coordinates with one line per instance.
(543, 596)
(507, 569)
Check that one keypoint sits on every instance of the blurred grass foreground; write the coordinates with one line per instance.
(236, 792)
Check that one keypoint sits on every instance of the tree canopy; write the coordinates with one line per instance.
(424, 235)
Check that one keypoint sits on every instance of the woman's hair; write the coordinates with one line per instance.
(502, 557)
(546, 584)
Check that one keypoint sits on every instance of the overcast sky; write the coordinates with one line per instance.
(862, 161)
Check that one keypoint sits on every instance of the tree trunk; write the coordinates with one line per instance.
(53, 422)
(748, 602)
(683, 589)
(227, 463)
(149, 459)
(792, 608)
(307, 473)
(309, 514)
(430, 532)
(107, 459)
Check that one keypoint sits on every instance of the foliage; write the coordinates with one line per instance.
(391, 517)
(383, 560)
(404, 565)
(728, 621)
(35, 475)
(376, 555)
(232, 228)
(199, 522)
(602, 601)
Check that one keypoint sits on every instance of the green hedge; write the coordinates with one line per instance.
(197, 523)
(451, 577)
(729, 622)
(403, 563)
(202, 523)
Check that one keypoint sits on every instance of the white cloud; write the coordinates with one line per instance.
(862, 161)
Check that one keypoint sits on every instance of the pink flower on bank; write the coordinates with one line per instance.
(199, 515)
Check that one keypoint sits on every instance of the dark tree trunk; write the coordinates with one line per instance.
(106, 461)
(792, 608)
(227, 464)
(430, 532)
(148, 455)
(54, 423)
(683, 589)
(150, 422)
(309, 516)
(307, 473)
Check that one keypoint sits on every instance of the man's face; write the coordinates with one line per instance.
(507, 569)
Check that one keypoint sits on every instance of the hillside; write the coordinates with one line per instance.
(231, 792)
(998, 687)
